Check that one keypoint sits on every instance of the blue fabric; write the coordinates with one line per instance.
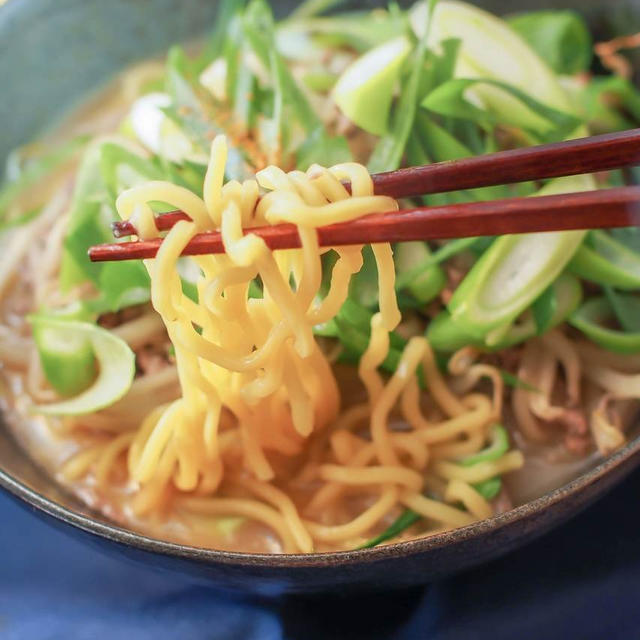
(581, 581)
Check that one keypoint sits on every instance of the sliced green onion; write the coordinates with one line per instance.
(88, 223)
(320, 80)
(356, 342)
(509, 277)
(311, 8)
(560, 38)
(593, 318)
(359, 30)
(67, 358)
(544, 310)
(490, 488)
(482, 34)
(446, 334)
(449, 100)
(445, 252)
(116, 363)
(365, 88)
(122, 169)
(499, 445)
(609, 263)
(567, 294)
(626, 309)
(388, 152)
(400, 524)
(359, 317)
(320, 148)
(589, 265)
(428, 284)
(513, 272)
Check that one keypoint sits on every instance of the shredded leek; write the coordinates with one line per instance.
(115, 360)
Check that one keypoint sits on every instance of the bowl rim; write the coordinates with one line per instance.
(129, 538)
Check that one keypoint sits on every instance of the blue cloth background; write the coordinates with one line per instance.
(581, 581)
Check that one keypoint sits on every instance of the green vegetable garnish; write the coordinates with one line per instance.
(560, 38)
(499, 445)
(69, 343)
(526, 112)
(426, 285)
(67, 358)
(511, 274)
(595, 319)
(490, 488)
(607, 262)
(400, 524)
(626, 308)
(365, 89)
(388, 152)
(544, 310)
(446, 334)
(443, 253)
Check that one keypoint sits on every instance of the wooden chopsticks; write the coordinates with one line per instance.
(598, 209)
(606, 208)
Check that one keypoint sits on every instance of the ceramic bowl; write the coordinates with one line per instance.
(54, 53)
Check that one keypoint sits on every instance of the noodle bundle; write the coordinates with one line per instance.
(255, 385)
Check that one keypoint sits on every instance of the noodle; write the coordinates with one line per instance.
(250, 414)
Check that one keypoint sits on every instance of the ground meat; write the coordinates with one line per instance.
(577, 438)
(454, 278)
(151, 359)
(507, 359)
(112, 320)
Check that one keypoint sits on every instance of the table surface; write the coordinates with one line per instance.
(580, 581)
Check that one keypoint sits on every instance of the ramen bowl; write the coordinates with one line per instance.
(42, 44)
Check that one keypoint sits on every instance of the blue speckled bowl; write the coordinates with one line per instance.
(52, 52)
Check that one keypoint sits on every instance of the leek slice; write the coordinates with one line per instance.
(609, 262)
(490, 49)
(560, 38)
(498, 446)
(67, 358)
(116, 363)
(429, 282)
(365, 89)
(509, 277)
(513, 272)
(592, 319)
(445, 334)
(402, 522)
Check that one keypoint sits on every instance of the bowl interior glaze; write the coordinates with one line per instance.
(40, 46)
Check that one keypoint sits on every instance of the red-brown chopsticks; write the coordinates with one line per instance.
(604, 208)
(595, 209)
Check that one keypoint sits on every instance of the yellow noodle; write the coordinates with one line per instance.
(358, 525)
(285, 505)
(434, 510)
(474, 503)
(259, 411)
(253, 509)
(480, 471)
(372, 475)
